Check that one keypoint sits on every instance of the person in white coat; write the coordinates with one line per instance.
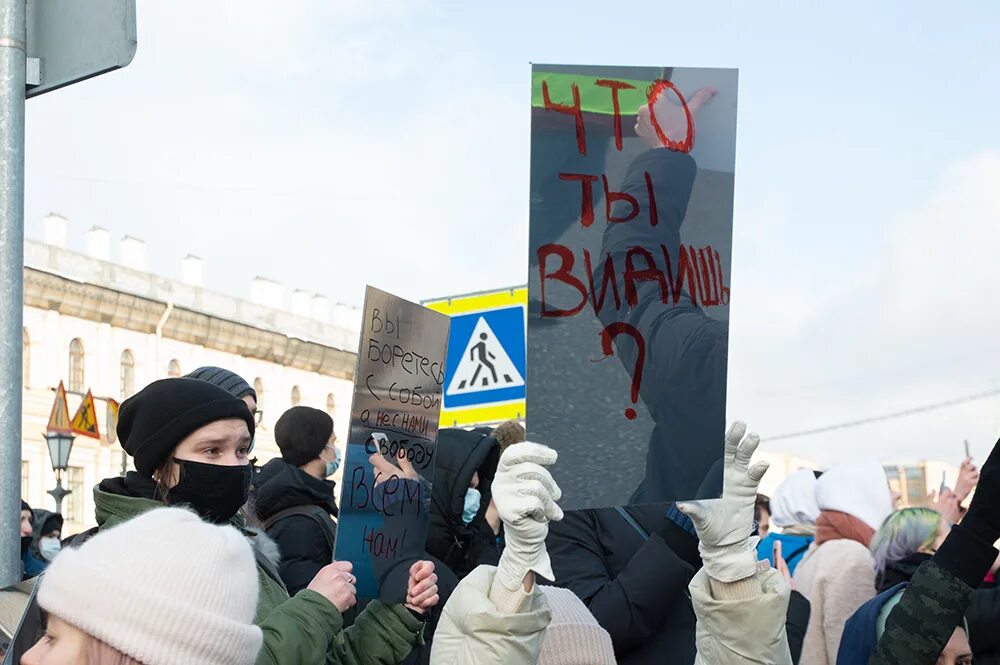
(740, 602)
(500, 615)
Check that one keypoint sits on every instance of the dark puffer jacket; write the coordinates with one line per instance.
(460, 454)
(303, 542)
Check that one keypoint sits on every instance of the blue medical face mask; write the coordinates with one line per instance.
(472, 501)
(331, 467)
(49, 547)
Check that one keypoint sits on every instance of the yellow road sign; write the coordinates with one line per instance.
(59, 418)
(484, 378)
(85, 420)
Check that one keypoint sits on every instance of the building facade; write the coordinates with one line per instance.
(112, 327)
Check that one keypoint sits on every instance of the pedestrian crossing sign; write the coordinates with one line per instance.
(485, 369)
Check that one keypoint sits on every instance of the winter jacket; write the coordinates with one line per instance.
(741, 623)
(933, 604)
(861, 633)
(983, 616)
(837, 577)
(305, 541)
(460, 454)
(473, 632)
(301, 630)
(793, 548)
(636, 588)
(900, 571)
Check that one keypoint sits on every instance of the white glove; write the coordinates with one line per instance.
(728, 552)
(525, 496)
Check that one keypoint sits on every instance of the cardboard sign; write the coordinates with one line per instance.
(484, 380)
(388, 472)
(630, 253)
(59, 420)
(85, 420)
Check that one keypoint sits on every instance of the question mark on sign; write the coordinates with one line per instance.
(607, 336)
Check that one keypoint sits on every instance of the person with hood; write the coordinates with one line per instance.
(459, 534)
(741, 606)
(923, 623)
(501, 615)
(45, 544)
(293, 497)
(794, 512)
(906, 539)
(837, 576)
(27, 532)
(164, 588)
(189, 440)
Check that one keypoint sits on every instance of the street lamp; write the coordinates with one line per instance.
(60, 445)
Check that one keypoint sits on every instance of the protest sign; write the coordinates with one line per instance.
(386, 491)
(630, 245)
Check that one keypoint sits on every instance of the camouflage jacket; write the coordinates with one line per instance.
(921, 624)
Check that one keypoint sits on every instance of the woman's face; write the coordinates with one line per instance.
(62, 644)
(224, 442)
(957, 651)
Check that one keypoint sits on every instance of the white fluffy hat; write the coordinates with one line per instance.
(164, 588)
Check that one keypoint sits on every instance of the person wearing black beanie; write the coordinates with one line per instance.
(189, 440)
(294, 498)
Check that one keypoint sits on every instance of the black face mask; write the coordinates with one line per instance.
(214, 491)
(25, 544)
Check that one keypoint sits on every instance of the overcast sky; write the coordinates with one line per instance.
(330, 144)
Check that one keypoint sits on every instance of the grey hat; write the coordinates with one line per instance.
(231, 382)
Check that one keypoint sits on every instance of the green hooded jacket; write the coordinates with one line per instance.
(306, 629)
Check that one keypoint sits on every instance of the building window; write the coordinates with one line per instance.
(76, 377)
(25, 477)
(127, 374)
(73, 506)
(296, 396)
(25, 357)
(331, 404)
(173, 369)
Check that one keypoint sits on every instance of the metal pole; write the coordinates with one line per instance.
(12, 86)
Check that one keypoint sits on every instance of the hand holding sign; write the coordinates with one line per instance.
(422, 589)
(336, 583)
(665, 123)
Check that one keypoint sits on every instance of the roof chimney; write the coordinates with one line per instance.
(192, 270)
(55, 230)
(132, 253)
(267, 293)
(99, 244)
(321, 308)
(301, 303)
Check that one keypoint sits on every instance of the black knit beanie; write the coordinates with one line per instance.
(231, 382)
(301, 434)
(153, 421)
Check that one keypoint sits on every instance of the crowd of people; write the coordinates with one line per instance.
(199, 557)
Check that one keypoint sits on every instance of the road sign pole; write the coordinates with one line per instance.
(12, 89)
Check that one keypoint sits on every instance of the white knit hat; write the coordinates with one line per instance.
(860, 489)
(573, 637)
(164, 588)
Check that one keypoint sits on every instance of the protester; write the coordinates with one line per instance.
(231, 382)
(27, 532)
(293, 497)
(762, 515)
(501, 615)
(837, 576)
(794, 512)
(904, 542)
(161, 589)
(983, 617)
(189, 442)
(45, 543)
(930, 610)
(459, 533)
(741, 608)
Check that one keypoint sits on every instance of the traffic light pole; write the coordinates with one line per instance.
(12, 89)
